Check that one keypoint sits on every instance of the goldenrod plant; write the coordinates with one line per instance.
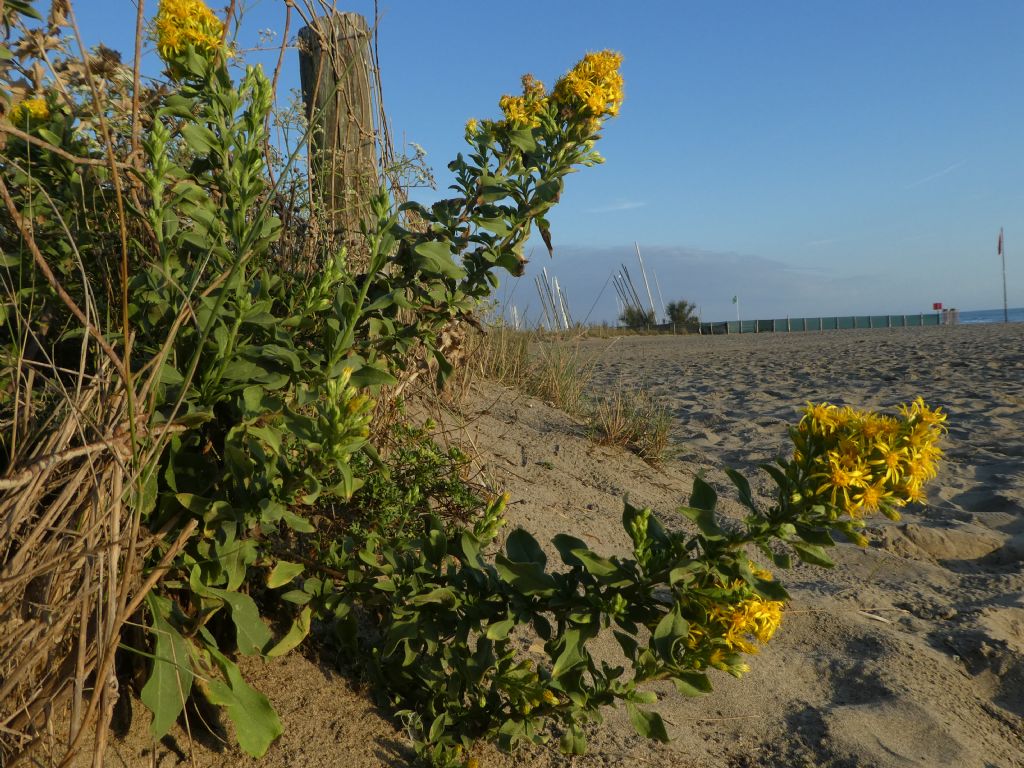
(183, 401)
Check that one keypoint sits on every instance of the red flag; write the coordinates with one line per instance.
(999, 252)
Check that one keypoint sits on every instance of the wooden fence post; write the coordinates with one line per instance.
(336, 72)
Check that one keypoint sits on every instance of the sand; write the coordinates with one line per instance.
(909, 653)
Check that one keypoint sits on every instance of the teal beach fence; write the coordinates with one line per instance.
(804, 324)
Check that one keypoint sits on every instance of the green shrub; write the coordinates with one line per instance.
(414, 477)
(444, 615)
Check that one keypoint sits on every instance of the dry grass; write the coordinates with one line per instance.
(633, 420)
(535, 363)
(552, 368)
(71, 552)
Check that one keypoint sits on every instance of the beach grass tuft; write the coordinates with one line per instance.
(633, 420)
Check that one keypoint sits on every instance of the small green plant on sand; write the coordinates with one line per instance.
(683, 604)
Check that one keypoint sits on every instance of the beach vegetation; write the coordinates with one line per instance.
(637, 318)
(633, 419)
(682, 314)
(202, 457)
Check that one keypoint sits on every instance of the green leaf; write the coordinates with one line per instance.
(777, 474)
(572, 655)
(528, 578)
(170, 682)
(703, 495)
(50, 136)
(446, 596)
(199, 138)
(471, 549)
(642, 697)
(692, 683)
(705, 520)
(670, 630)
(743, 487)
(434, 250)
(812, 535)
(812, 553)
(282, 573)
(647, 724)
(279, 354)
(372, 376)
(256, 722)
(574, 741)
(565, 544)
(595, 564)
(252, 635)
(170, 375)
(523, 139)
(771, 589)
(296, 522)
(497, 225)
(523, 548)
(298, 632)
(499, 630)
(549, 191)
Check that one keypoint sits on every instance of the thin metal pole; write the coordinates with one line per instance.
(1006, 311)
(647, 285)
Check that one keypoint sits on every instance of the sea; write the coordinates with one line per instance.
(1015, 315)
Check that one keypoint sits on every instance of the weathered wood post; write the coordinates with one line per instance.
(336, 72)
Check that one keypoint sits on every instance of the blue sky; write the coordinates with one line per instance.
(812, 157)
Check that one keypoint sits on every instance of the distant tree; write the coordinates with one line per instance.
(682, 313)
(637, 318)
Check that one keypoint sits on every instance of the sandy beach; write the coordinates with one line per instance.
(909, 653)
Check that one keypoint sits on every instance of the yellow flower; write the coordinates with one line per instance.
(762, 573)
(754, 617)
(549, 697)
(821, 418)
(870, 497)
(180, 23)
(891, 459)
(593, 88)
(839, 479)
(717, 658)
(872, 425)
(472, 763)
(919, 411)
(30, 109)
(472, 125)
(912, 492)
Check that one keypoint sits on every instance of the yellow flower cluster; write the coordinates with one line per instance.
(525, 110)
(861, 462)
(593, 88)
(35, 109)
(754, 617)
(186, 22)
(732, 628)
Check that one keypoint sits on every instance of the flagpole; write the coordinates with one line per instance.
(1002, 252)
